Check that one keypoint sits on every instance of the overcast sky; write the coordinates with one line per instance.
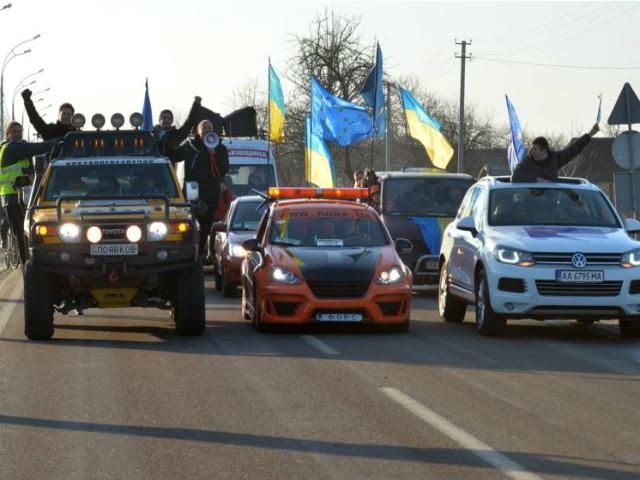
(97, 54)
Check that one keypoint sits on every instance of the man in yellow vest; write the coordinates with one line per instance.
(15, 160)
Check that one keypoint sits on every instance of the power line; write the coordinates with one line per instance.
(555, 65)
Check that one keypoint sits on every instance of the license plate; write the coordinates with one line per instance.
(580, 276)
(431, 265)
(339, 317)
(116, 249)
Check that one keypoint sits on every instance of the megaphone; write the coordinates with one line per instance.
(211, 140)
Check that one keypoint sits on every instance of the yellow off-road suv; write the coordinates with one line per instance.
(107, 226)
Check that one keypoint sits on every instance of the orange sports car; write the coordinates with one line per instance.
(320, 256)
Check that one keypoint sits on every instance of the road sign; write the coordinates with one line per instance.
(627, 156)
(627, 108)
(623, 193)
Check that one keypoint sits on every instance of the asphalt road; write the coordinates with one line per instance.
(117, 395)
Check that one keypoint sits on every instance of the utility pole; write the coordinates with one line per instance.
(463, 56)
(387, 146)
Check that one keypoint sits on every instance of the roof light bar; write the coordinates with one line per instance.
(310, 192)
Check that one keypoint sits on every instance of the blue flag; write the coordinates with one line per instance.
(146, 109)
(515, 150)
(599, 115)
(374, 96)
(335, 119)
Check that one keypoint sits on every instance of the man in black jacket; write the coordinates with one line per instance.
(49, 131)
(15, 159)
(168, 136)
(207, 166)
(543, 163)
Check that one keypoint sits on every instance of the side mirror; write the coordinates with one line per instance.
(251, 245)
(218, 227)
(467, 224)
(193, 191)
(632, 225)
(26, 194)
(22, 181)
(403, 245)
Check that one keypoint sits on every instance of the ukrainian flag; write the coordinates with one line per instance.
(318, 164)
(426, 130)
(277, 110)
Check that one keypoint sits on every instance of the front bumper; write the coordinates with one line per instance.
(424, 268)
(296, 304)
(76, 260)
(544, 297)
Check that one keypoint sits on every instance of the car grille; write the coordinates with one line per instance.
(114, 232)
(565, 258)
(603, 289)
(338, 289)
(516, 285)
(634, 287)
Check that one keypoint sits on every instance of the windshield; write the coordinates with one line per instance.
(243, 178)
(327, 228)
(427, 196)
(110, 178)
(550, 206)
(246, 216)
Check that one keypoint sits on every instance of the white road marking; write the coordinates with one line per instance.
(319, 345)
(14, 293)
(477, 447)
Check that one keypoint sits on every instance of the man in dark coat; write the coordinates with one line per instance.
(168, 136)
(207, 166)
(543, 163)
(49, 131)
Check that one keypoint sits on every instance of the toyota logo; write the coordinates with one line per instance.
(579, 260)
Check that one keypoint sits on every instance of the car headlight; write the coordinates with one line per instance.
(513, 256)
(157, 231)
(631, 259)
(94, 234)
(391, 277)
(69, 233)
(237, 250)
(134, 233)
(282, 275)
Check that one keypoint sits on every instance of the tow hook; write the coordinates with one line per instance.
(113, 277)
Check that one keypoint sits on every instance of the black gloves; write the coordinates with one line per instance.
(26, 94)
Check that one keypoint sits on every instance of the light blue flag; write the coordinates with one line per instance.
(515, 150)
(335, 119)
(146, 109)
(373, 94)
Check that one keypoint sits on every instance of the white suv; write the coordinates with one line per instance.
(539, 250)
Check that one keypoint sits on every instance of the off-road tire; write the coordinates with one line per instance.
(189, 311)
(488, 322)
(38, 304)
(228, 289)
(450, 309)
(629, 328)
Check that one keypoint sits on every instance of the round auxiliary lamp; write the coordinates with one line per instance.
(136, 119)
(211, 140)
(117, 120)
(78, 121)
(98, 121)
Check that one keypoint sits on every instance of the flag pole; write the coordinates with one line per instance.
(375, 106)
(387, 144)
(269, 117)
(309, 132)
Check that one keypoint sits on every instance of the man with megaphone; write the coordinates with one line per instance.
(206, 162)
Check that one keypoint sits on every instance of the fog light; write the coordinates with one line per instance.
(65, 257)
(94, 234)
(134, 233)
(509, 306)
(162, 254)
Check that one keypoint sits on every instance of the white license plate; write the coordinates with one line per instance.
(116, 249)
(580, 276)
(339, 317)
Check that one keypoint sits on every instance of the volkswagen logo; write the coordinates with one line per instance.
(579, 260)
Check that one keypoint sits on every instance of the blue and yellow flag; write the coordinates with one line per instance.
(318, 164)
(146, 109)
(374, 96)
(426, 130)
(277, 110)
(335, 119)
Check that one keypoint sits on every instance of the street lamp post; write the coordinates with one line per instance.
(20, 85)
(10, 56)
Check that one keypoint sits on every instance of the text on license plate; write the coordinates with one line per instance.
(115, 249)
(339, 317)
(580, 276)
